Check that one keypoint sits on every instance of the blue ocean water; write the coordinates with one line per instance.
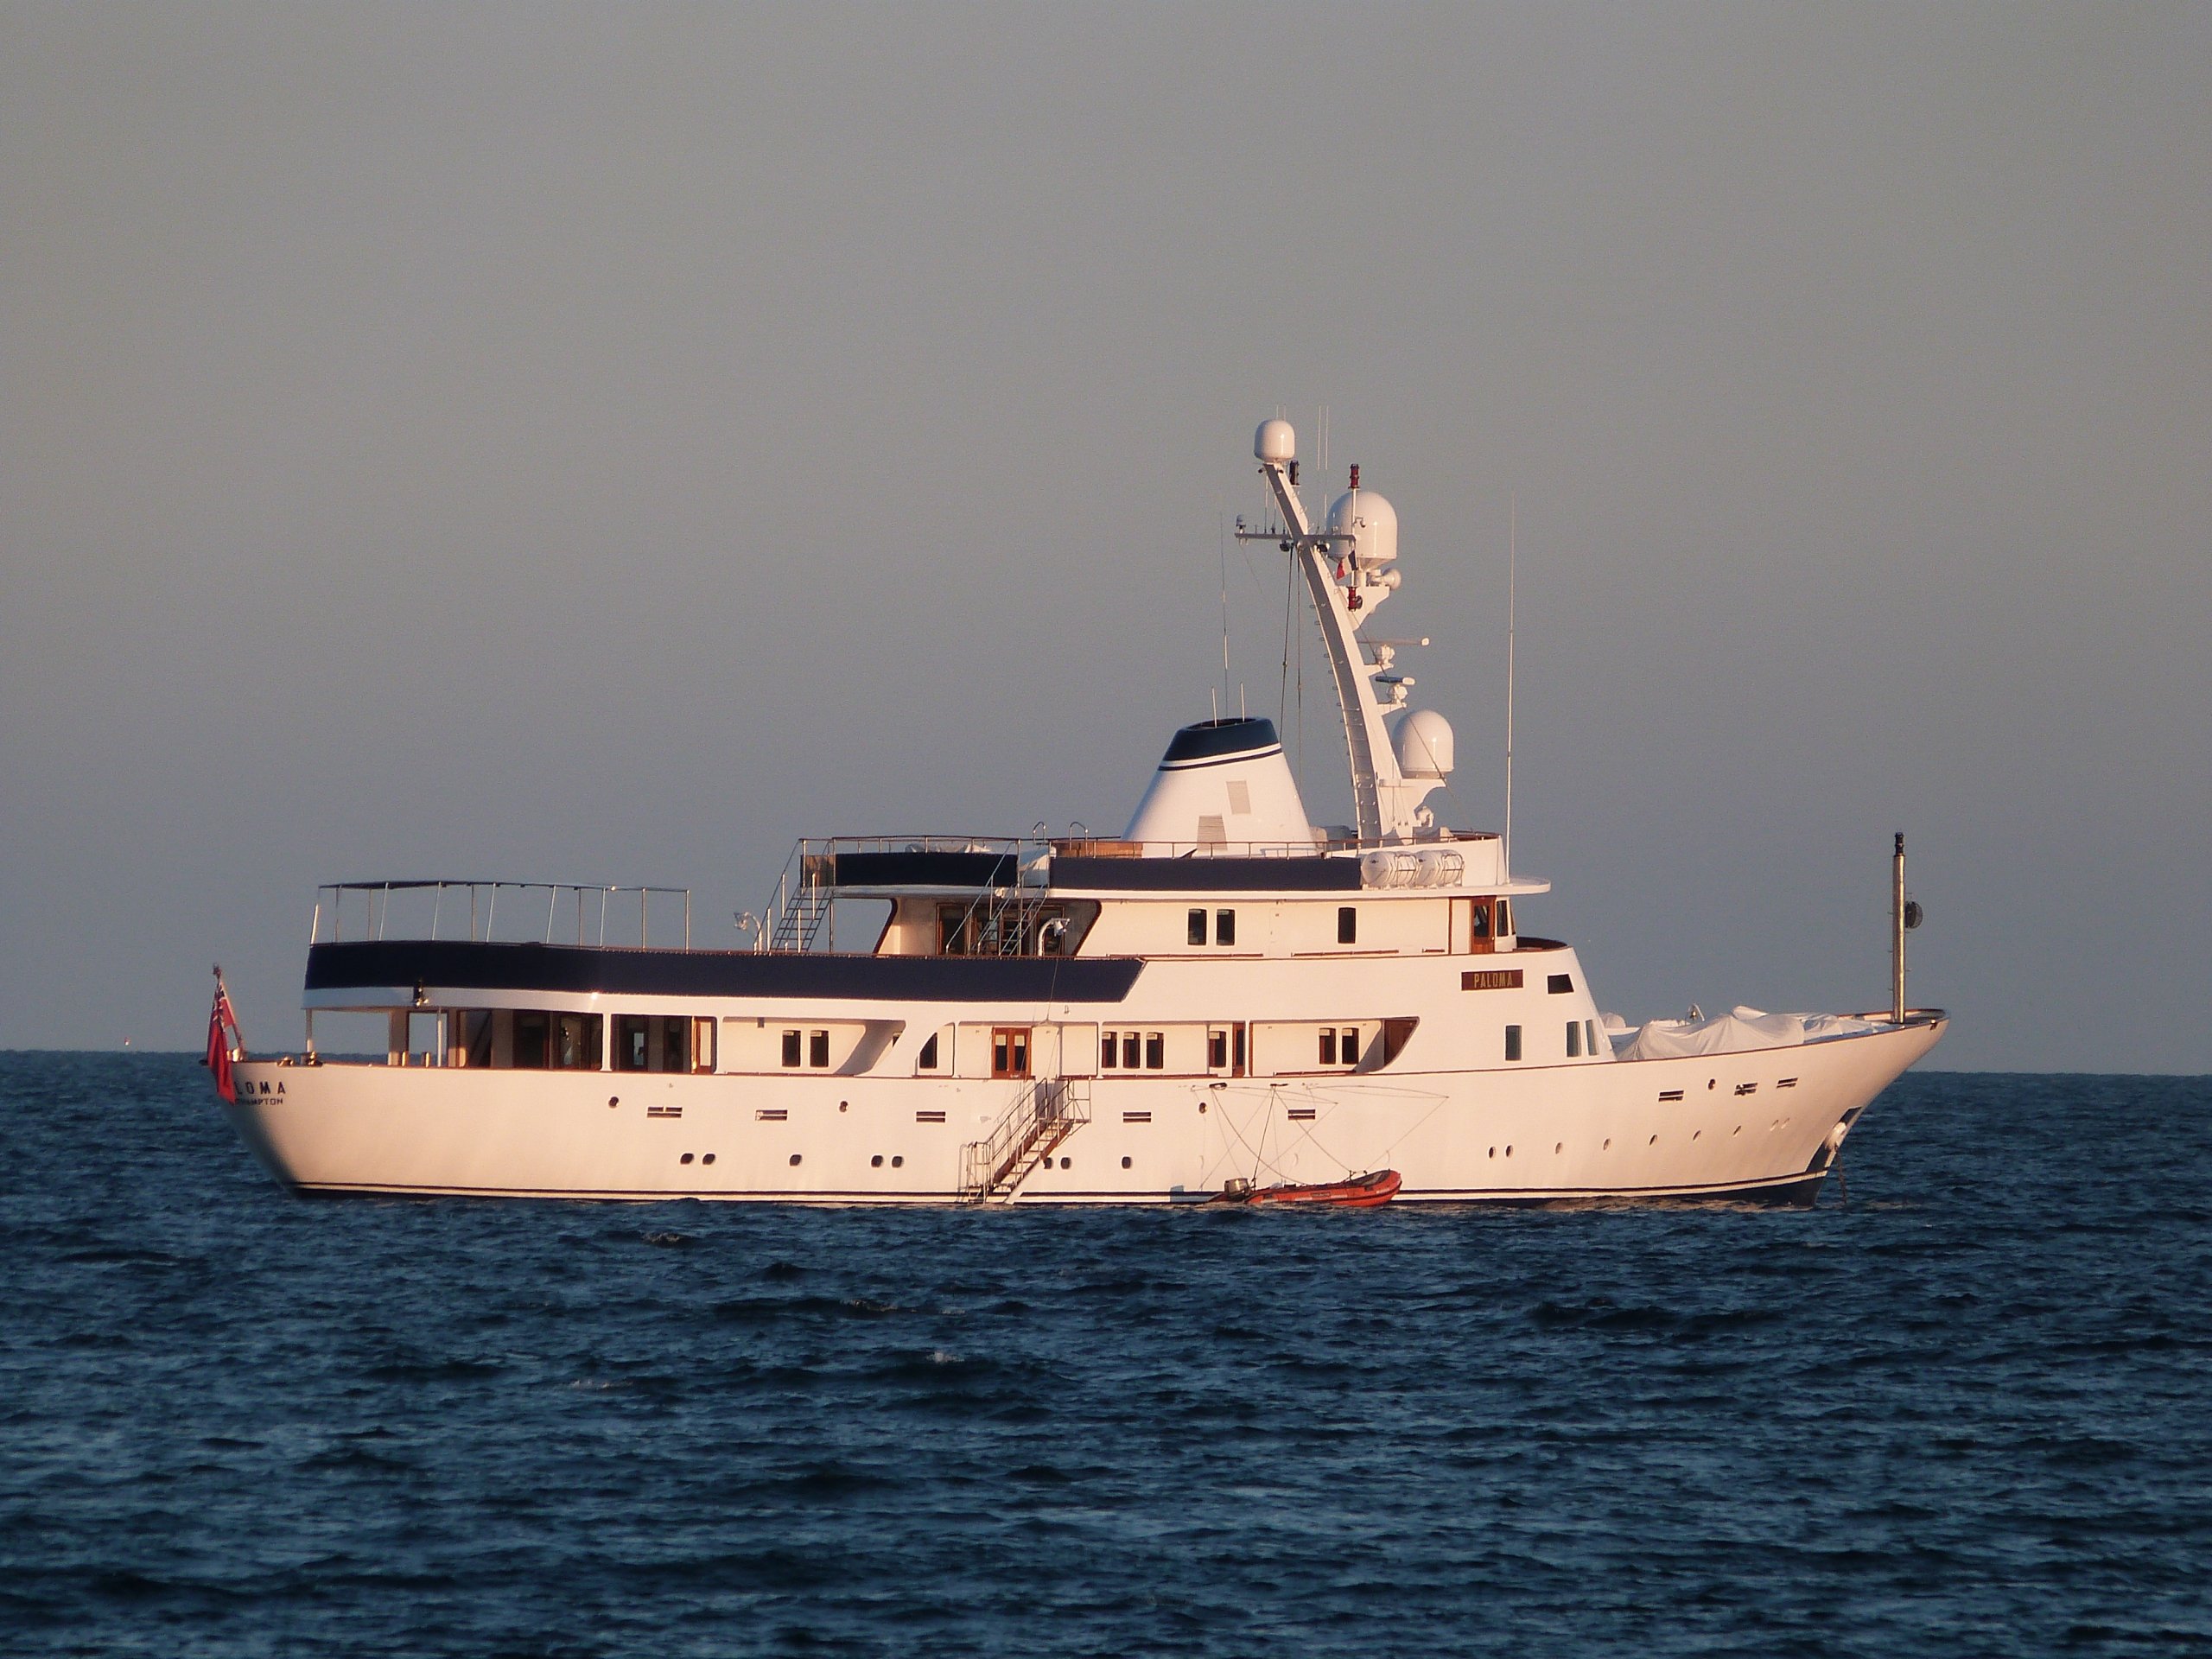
(1968, 1410)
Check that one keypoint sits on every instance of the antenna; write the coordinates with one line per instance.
(1221, 550)
(1512, 583)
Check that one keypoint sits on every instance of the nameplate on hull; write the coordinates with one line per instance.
(1491, 979)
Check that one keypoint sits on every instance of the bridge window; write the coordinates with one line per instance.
(1197, 930)
(791, 1047)
(1347, 925)
(1155, 1051)
(1225, 927)
(817, 1049)
(926, 1060)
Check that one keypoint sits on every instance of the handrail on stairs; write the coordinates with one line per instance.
(1042, 1116)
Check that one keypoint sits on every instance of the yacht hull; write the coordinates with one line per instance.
(1762, 1126)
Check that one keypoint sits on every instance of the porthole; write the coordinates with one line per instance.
(898, 1162)
(1558, 1148)
(1067, 1163)
(1695, 1133)
(1508, 1151)
(1738, 1129)
(795, 1157)
(709, 1159)
(1608, 1146)
(1493, 1152)
(615, 1100)
(1711, 1082)
(1125, 1163)
(685, 1158)
(876, 1162)
(844, 1105)
(1655, 1141)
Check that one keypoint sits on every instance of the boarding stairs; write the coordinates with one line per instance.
(1045, 1114)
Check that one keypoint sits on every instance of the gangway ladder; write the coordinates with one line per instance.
(800, 915)
(1045, 1115)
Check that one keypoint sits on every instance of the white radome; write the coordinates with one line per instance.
(1371, 522)
(1275, 441)
(1425, 745)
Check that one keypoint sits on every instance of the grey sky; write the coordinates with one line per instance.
(606, 443)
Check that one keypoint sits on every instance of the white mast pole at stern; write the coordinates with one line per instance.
(1898, 924)
(1512, 593)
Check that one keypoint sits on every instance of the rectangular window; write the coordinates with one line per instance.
(576, 1039)
(1128, 1051)
(1010, 1051)
(1574, 1039)
(1109, 1051)
(1480, 926)
(1237, 1049)
(1329, 1045)
(530, 1046)
(1348, 1046)
(675, 1043)
(1347, 925)
(1504, 918)
(1197, 930)
(479, 1026)
(952, 930)
(1155, 1051)
(1589, 1039)
(791, 1048)
(927, 1058)
(1217, 1049)
(1558, 984)
(632, 1032)
(1513, 1042)
(1225, 927)
(817, 1049)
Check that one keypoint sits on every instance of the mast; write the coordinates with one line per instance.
(1383, 802)
(1897, 926)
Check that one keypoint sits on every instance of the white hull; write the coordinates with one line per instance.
(1538, 1135)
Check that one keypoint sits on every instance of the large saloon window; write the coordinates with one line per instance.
(564, 1042)
(576, 1039)
(653, 1042)
(531, 1045)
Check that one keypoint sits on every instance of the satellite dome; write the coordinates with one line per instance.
(1276, 441)
(1425, 745)
(1371, 522)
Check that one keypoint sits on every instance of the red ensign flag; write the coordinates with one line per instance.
(219, 1042)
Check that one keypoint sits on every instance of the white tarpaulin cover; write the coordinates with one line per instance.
(1731, 1032)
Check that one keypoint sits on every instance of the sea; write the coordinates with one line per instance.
(1962, 1406)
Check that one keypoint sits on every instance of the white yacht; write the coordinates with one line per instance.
(1223, 1000)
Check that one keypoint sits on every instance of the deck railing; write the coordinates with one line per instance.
(545, 912)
